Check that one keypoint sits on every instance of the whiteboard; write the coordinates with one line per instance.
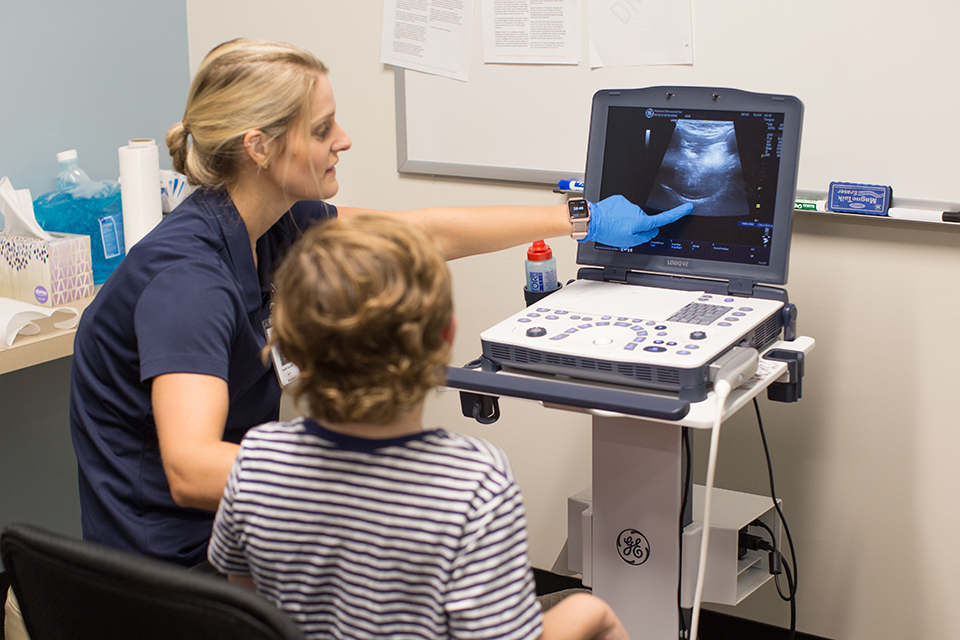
(880, 83)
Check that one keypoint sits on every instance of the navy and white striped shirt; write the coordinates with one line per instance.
(419, 537)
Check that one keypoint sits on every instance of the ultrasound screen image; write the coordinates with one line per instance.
(701, 167)
(724, 163)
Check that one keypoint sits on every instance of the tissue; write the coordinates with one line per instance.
(17, 209)
(17, 318)
(49, 269)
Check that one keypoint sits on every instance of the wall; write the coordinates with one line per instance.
(88, 76)
(38, 470)
(865, 463)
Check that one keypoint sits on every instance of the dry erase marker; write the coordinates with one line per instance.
(809, 204)
(570, 185)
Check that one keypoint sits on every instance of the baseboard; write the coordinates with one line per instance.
(713, 625)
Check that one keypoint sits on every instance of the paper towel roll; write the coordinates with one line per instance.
(139, 189)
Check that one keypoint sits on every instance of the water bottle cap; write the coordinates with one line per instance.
(539, 251)
(63, 156)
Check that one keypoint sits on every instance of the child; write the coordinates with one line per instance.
(356, 520)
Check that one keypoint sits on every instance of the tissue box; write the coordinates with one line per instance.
(48, 273)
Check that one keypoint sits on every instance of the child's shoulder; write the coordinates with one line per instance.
(274, 432)
(468, 447)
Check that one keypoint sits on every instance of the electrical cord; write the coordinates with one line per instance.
(685, 496)
(777, 567)
(791, 576)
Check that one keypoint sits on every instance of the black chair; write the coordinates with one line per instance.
(70, 589)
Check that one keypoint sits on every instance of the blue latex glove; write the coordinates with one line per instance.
(617, 222)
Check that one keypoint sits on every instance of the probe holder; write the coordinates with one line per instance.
(791, 389)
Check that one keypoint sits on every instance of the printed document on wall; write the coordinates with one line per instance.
(627, 33)
(432, 36)
(531, 31)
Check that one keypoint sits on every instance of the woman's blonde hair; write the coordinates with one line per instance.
(241, 85)
(361, 307)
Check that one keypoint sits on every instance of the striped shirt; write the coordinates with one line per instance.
(419, 537)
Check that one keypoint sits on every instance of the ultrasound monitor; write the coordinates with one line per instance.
(732, 154)
(660, 314)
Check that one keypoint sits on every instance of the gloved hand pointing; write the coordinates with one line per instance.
(617, 222)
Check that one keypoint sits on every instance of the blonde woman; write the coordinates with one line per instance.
(167, 375)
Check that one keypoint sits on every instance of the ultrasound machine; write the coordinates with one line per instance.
(643, 337)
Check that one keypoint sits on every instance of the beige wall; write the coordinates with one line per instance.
(866, 464)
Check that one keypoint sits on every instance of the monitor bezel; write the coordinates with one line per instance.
(711, 99)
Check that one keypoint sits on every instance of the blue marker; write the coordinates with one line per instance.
(570, 185)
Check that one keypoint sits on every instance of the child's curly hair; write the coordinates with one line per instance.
(361, 306)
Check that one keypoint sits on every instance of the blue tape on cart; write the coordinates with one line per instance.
(849, 197)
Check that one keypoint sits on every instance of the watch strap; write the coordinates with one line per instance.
(580, 228)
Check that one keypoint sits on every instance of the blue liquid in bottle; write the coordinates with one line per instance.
(87, 207)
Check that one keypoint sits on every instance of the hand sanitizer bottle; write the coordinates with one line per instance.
(541, 268)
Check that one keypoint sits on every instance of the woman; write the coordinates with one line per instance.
(167, 375)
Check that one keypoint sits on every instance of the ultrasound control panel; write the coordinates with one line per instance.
(631, 334)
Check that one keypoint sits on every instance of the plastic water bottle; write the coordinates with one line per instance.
(541, 268)
(70, 172)
(83, 206)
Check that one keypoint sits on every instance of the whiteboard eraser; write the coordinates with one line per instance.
(850, 197)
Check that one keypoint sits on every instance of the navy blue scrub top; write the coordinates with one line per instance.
(187, 298)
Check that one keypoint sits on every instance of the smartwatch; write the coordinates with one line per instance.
(579, 212)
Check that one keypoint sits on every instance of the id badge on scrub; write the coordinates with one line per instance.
(287, 372)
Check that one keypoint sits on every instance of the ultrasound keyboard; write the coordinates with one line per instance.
(633, 335)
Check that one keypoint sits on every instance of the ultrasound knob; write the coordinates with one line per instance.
(698, 335)
(536, 332)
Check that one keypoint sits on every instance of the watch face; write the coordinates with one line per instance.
(578, 209)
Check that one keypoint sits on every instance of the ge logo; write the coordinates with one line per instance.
(633, 547)
(650, 113)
